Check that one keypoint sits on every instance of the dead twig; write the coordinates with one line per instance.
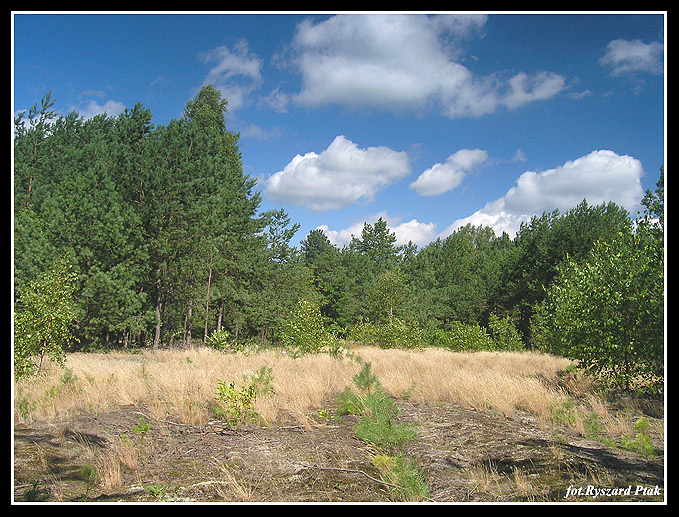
(353, 471)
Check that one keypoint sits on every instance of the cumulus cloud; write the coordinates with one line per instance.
(396, 62)
(624, 56)
(598, 177)
(341, 175)
(413, 231)
(443, 177)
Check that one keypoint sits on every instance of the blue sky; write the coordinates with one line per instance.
(428, 121)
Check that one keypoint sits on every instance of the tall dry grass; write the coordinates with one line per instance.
(182, 383)
(503, 381)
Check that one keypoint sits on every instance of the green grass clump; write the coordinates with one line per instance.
(405, 476)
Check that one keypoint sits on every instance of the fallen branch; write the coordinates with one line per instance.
(353, 471)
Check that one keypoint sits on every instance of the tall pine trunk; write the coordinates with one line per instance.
(207, 305)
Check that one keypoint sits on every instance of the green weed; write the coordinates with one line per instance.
(406, 480)
(642, 442)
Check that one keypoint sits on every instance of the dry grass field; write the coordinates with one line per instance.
(505, 400)
(180, 382)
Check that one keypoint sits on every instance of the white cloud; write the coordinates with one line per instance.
(236, 72)
(443, 177)
(92, 108)
(404, 62)
(598, 177)
(413, 231)
(625, 56)
(519, 156)
(276, 100)
(341, 175)
(525, 89)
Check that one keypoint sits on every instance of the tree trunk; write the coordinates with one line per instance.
(156, 337)
(219, 315)
(207, 305)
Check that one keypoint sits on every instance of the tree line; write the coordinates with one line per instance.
(135, 235)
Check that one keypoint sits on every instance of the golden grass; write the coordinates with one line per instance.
(503, 381)
(182, 383)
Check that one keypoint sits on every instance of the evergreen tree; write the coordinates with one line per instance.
(328, 274)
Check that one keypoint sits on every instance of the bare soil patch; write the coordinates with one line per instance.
(465, 455)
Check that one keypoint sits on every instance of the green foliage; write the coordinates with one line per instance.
(504, 334)
(607, 313)
(565, 412)
(397, 333)
(385, 298)
(462, 337)
(221, 340)
(24, 405)
(378, 425)
(403, 474)
(303, 332)
(160, 223)
(235, 406)
(207, 108)
(43, 316)
(167, 243)
(142, 428)
(393, 333)
(159, 491)
(378, 411)
(376, 244)
(543, 245)
(262, 381)
(642, 442)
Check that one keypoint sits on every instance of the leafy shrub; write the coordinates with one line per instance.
(142, 427)
(238, 406)
(462, 337)
(606, 312)
(235, 406)
(642, 442)
(42, 319)
(219, 339)
(303, 331)
(364, 332)
(393, 333)
(504, 334)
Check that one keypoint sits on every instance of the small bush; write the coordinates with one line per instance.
(404, 473)
(378, 423)
(462, 337)
(393, 333)
(365, 332)
(642, 442)
(235, 406)
(303, 331)
(142, 427)
(504, 334)
(219, 339)
(43, 317)
(238, 406)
